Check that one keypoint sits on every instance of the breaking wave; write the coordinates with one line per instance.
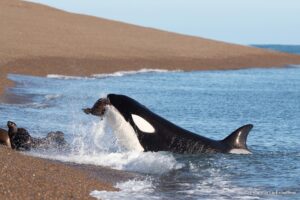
(114, 74)
(124, 73)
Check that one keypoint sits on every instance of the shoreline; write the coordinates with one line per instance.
(87, 67)
(53, 179)
(27, 177)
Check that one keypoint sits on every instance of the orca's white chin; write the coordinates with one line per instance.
(122, 129)
(239, 151)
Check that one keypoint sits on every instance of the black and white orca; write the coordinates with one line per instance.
(157, 134)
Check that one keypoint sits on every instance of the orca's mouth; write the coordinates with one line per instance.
(98, 108)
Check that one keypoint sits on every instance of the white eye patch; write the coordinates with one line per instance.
(142, 124)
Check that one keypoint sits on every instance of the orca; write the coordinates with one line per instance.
(158, 134)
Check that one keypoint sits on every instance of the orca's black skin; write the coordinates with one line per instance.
(168, 136)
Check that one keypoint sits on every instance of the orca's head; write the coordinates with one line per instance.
(98, 108)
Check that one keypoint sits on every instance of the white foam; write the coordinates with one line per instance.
(113, 143)
(142, 162)
(132, 189)
(124, 73)
(115, 74)
(52, 96)
(35, 105)
(217, 185)
(65, 77)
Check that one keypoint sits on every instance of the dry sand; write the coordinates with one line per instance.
(39, 40)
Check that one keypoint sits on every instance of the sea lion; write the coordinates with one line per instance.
(20, 139)
(4, 138)
(98, 108)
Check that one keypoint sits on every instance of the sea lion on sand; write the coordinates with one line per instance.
(4, 138)
(22, 140)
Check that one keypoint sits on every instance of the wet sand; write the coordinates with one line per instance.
(39, 40)
(26, 177)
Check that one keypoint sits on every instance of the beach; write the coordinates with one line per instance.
(25, 177)
(58, 42)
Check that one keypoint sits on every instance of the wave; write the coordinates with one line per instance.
(214, 184)
(65, 77)
(114, 74)
(50, 97)
(141, 71)
(293, 66)
(132, 189)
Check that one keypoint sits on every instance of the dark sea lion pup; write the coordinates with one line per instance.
(158, 134)
(20, 139)
(4, 138)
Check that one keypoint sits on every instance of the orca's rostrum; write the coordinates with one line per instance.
(157, 134)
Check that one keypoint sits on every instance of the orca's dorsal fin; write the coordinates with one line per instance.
(237, 139)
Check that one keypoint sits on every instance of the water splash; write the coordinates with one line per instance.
(132, 189)
(112, 142)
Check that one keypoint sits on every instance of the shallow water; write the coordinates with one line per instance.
(211, 103)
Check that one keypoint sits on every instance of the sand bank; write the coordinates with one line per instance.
(38, 40)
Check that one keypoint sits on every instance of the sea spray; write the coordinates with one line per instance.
(132, 189)
(112, 134)
(112, 142)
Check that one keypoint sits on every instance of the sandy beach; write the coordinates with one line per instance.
(25, 177)
(39, 40)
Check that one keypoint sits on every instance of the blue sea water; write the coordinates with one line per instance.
(294, 49)
(211, 103)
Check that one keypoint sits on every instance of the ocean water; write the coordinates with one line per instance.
(294, 49)
(211, 103)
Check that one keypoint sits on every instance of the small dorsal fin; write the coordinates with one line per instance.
(238, 138)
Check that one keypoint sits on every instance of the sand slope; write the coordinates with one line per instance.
(38, 40)
(24, 177)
